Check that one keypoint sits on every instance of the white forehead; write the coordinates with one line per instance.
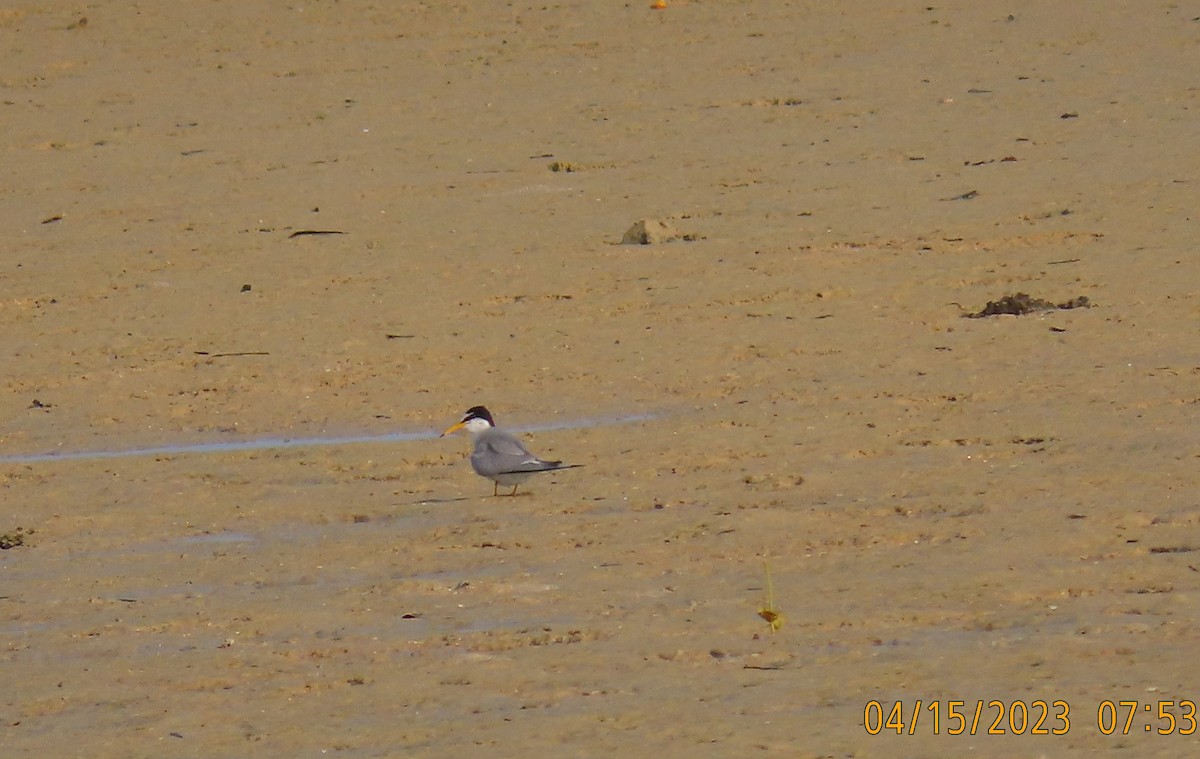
(476, 425)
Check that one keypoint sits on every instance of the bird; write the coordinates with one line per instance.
(500, 456)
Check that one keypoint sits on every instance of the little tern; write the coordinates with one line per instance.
(500, 456)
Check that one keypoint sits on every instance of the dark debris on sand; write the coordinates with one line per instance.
(1021, 304)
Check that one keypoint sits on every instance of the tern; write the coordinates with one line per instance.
(500, 456)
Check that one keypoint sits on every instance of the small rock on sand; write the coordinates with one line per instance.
(650, 232)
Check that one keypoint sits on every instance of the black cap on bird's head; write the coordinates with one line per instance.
(476, 420)
(479, 412)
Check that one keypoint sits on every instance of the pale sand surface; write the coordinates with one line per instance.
(1001, 508)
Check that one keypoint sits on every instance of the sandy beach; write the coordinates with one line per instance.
(258, 255)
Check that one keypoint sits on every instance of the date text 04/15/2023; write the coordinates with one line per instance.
(1034, 717)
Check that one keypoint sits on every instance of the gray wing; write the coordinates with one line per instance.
(498, 452)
